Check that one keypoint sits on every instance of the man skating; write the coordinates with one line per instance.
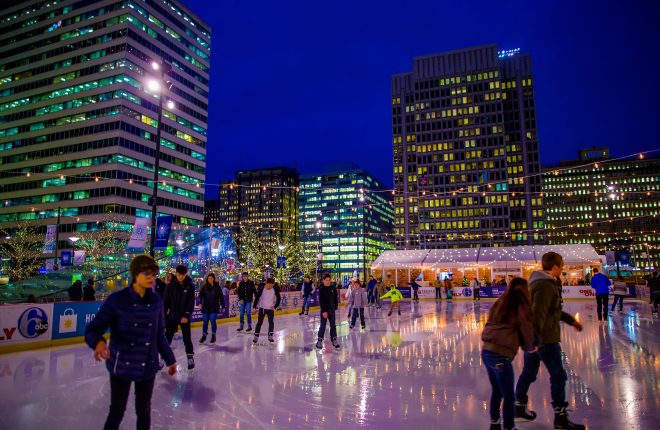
(307, 291)
(245, 293)
(328, 301)
(601, 284)
(179, 302)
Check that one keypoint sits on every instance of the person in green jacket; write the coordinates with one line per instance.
(395, 297)
(545, 291)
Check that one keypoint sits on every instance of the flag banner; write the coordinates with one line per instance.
(49, 243)
(163, 228)
(79, 257)
(138, 238)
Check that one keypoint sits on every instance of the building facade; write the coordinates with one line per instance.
(466, 162)
(84, 88)
(608, 204)
(223, 211)
(348, 216)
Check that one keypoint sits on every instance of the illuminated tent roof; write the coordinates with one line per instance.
(502, 256)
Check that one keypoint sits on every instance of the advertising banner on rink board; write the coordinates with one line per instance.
(71, 318)
(25, 323)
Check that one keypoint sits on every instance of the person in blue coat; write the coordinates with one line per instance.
(601, 284)
(134, 316)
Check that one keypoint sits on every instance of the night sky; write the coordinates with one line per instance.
(305, 83)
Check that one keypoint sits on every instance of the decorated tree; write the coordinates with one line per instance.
(21, 251)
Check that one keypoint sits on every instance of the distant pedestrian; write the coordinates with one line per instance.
(476, 289)
(211, 300)
(601, 284)
(329, 302)
(75, 291)
(179, 305)
(620, 292)
(654, 291)
(357, 301)
(380, 291)
(245, 292)
(370, 290)
(89, 293)
(307, 289)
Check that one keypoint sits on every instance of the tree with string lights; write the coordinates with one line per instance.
(22, 250)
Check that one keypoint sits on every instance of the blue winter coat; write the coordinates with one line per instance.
(600, 283)
(137, 330)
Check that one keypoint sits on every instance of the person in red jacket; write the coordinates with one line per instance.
(509, 327)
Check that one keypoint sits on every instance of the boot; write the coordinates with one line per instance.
(307, 311)
(256, 339)
(319, 344)
(213, 338)
(523, 413)
(562, 421)
(270, 338)
(301, 312)
(495, 425)
(191, 362)
(203, 339)
(240, 328)
(249, 329)
(335, 343)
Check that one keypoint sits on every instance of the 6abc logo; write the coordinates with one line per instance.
(32, 323)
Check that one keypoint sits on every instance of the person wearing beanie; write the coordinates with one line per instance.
(179, 301)
(134, 316)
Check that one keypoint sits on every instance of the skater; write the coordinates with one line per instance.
(395, 299)
(266, 300)
(476, 288)
(448, 289)
(601, 284)
(347, 295)
(328, 301)
(371, 287)
(357, 301)
(307, 289)
(546, 314)
(620, 291)
(179, 303)
(211, 300)
(415, 288)
(380, 291)
(654, 291)
(438, 290)
(509, 327)
(89, 293)
(134, 315)
(245, 292)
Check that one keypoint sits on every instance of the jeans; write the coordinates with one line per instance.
(500, 375)
(477, 295)
(601, 305)
(370, 296)
(205, 322)
(260, 320)
(171, 328)
(618, 299)
(333, 326)
(355, 315)
(246, 309)
(119, 390)
(306, 301)
(438, 293)
(550, 355)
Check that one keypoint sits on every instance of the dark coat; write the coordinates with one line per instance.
(211, 298)
(137, 328)
(75, 292)
(246, 291)
(328, 298)
(505, 337)
(160, 287)
(179, 300)
(307, 288)
(89, 294)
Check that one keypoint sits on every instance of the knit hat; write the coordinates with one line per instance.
(142, 263)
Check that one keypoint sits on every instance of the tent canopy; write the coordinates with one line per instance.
(461, 257)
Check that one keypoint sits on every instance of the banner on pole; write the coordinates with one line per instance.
(66, 258)
(139, 235)
(79, 257)
(163, 227)
(49, 243)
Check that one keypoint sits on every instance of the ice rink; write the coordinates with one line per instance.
(421, 370)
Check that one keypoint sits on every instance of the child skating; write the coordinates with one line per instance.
(357, 301)
(395, 299)
(266, 300)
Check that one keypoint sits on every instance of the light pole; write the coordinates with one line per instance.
(612, 190)
(156, 86)
(319, 254)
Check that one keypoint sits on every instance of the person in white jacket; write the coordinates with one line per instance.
(347, 295)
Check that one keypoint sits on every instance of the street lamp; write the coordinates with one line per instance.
(155, 85)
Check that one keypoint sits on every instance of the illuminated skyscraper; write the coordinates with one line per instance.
(466, 163)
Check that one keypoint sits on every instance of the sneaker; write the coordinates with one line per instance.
(301, 313)
(256, 339)
(562, 421)
(249, 329)
(191, 362)
(271, 339)
(335, 344)
(523, 413)
(212, 338)
(319, 344)
(307, 312)
(203, 339)
(495, 425)
(364, 327)
(240, 328)
(390, 314)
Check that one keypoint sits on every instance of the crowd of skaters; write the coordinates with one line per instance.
(144, 317)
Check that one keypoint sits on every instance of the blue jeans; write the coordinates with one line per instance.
(205, 322)
(500, 375)
(306, 301)
(354, 316)
(550, 355)
(246, 309)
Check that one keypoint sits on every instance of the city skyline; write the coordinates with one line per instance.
(322, 79)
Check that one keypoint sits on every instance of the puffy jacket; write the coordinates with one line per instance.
(394, 294)
(137, 330)
(179, 299)
(505, 338)
(358, 298)
(546, 307)
(246, 291)
(620, 288)
(211, 298)
(328, 298)
(600, 283)
(307, 288)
